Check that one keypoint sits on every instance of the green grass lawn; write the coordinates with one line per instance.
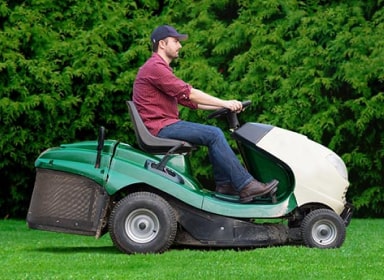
(33, 254)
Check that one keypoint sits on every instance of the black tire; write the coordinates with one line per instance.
(323, 228)
(142, 222)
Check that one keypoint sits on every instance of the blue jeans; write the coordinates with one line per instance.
(226, 166)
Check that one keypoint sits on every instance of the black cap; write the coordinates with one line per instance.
(165, 31)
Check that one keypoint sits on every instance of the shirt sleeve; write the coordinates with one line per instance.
(184, 100)
(169, 84)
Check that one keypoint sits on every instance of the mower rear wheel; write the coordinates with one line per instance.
(143, 222)
(323, 228)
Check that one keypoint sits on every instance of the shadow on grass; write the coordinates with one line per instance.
(234, 248)
(71, 250)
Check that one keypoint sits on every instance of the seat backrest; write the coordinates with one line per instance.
(150, 143)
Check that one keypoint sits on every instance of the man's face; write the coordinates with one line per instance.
(171, 47)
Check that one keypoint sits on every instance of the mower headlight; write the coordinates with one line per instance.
(339, 164)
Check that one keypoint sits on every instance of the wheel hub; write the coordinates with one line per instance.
(142, 225)
(324, 232)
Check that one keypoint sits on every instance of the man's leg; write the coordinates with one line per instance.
(226, 166)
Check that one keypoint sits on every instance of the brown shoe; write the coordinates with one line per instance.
(226, 189)
(255, 188)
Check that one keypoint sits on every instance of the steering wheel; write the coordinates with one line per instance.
(225, 111)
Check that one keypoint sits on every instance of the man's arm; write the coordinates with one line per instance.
(208, 107)
(209, 102)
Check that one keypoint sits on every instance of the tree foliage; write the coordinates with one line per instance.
(310, 66)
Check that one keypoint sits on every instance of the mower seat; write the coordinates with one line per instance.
(152, 144)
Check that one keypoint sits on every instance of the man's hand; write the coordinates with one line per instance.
(234, 105)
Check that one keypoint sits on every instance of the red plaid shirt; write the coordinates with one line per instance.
(157, 93)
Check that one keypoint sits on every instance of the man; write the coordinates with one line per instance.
(157, 93)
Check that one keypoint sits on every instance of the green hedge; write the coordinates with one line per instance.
(315, 67)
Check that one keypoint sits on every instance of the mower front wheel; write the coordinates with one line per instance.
(143, 222)
(323, 228)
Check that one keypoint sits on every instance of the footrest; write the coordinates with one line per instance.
(236, 198)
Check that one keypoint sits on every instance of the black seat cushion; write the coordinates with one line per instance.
(150, 143)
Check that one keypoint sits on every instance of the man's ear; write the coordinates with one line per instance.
(163, 43)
